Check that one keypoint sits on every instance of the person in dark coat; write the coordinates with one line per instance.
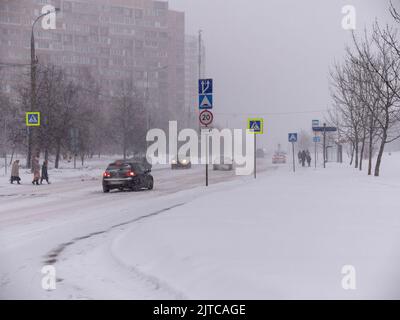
(45, 174)
(308, 157)
(15, 172)
(303, 158)
(299, 156)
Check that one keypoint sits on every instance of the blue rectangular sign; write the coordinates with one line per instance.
(205, 86)
(292, 137)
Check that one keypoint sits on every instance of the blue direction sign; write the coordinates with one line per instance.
(317, 139)
(205, 94)
(292, 137)
(326, 129)
(205, 86)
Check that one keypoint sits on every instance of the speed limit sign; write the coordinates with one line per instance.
(206, 117)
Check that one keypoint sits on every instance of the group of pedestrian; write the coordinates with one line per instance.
(37, 173)
(304, 156)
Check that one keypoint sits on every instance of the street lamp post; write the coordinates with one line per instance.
(33, 82)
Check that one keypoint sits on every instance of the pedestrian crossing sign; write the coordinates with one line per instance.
(292, 137)
(32, 119)
(255, 125)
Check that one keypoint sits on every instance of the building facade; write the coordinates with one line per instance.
(112, 40)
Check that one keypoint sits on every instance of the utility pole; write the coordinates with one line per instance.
(33, 93)
(294, 161)
(4, 146)
(324, 151)
(200, 62)
(255, 155)
(33, 85)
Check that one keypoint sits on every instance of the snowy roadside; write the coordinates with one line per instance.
(282, 236)
(69, 224)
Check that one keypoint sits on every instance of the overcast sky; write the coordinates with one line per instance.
(273, 56)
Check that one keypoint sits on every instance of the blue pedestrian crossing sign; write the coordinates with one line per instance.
(32, 119)
(292, 137)
(205, 94)
(317, 139)
(205, 101)
(255, 125)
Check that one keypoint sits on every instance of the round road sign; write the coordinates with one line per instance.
(206, 117)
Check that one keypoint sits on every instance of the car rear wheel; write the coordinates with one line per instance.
(106, 190)
(151, 185)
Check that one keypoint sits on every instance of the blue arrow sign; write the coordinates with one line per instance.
(317, 139)
(292, 137)
(205, 86)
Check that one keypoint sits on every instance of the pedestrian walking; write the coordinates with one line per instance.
(15, 172)
(308, 157)
(35, 170)
(303, 158)
(45, 174)
(299, 156)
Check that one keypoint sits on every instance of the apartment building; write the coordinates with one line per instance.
(112, 40)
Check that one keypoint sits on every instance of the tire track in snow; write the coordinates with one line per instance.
(53, 255)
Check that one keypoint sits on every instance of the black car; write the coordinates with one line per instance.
(138, 159)
(127, 175)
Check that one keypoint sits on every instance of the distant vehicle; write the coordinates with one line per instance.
(181, 162)
(260, 153)
(279, 157)
(124, 174)
(223, 164)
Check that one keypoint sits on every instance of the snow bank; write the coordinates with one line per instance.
(283, 236)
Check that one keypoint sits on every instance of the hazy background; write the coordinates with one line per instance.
(273, 56)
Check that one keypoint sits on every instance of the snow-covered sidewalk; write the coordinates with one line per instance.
(283, 236)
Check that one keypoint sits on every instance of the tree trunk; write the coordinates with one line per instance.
(357, 155)
(12, 155)
(124, 147)
(58, 151)
(352, 154)
(46, 154)
(380, 154)
(362, 150)
(371, 141)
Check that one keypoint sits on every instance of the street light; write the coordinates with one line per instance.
(33, 81)
(148, 94)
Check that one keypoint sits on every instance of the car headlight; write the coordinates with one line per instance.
(173, 162)
(184, 161)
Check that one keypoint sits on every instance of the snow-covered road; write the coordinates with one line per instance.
(281, 236)
(56, 224)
